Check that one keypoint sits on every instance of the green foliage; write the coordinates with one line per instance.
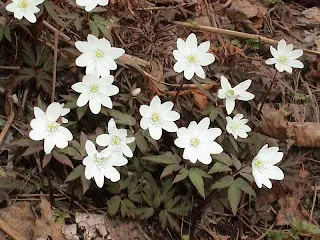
(253, 44)
(219, 167)
(99, 24)
(61, 216)
(277, 235)
(5, 32)
(236, 42)
(300, 227)
(234, 197)
(196, 176)
(76, 173)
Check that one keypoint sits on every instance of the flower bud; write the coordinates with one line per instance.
(135, 92)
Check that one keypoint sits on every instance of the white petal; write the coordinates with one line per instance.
(79, 87)
(183, 132)
(295, 64)
(89, 171)
(130, 139)
(145, 111)
(90, 148)
(115, 52)
(103, 140)
(191, 41)
(289, 48)
(155, 103)
(60, 140)
(110, 90)
(203, 125)
(83, 99)
(66, 133)
(274, 52)
(39, 114)
(37, 124)
(282, 46)
(98, 176)
(222, 94)
(287, 68)
(279, 66)
(169, 126)
(104, 44)
(83, 60)
(181, 45)
(242, 134)
(237, 117)
(166, 107)
(48, 144)
(94, 105)
(171, 116)
(213, 147)
(112, 128)
(191, 154)
(206, 59)
(155, 132)
(225, 84)
(210, 135)
(180, 66)
(126, 151)
(144, 123)
(110, 63)
(275, 172)
(200, 72)
(267, 183)
(83, 46)
(38, 135)
(257, 178)
(105, 101)
(118, 160)
(179, 56)
(276, 158)
(271, 61)
(243, 86)
(246, 96)
(192, 128)
(204, 47)
(30, 16)
(295, 54)
(11, 7)
(182, 142)
(103, 69)
(189, 72)
(204, 157)
(230, 104)
(53, 112)
(112, 174)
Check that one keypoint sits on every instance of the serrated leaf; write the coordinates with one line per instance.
(223, 158)
(303, 227)
(127, 208)
(173, 222)
(93, 28)
(32, 149)
(277, 235)
(49, 6)
(24, 143)
(168, 170)
(219, 167)
(62, 158)
(223, 183)
(114, 205)
(165, 158)
(145, 212)
(195, 176)
(72, 152)
(234, 197)
(85, 183)
(122, 118)
(76, 173)
(183, 173)
(81, 111)
(244, 186)
(142, 144)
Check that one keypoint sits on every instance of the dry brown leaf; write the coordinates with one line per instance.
(312, 13)
(201, 99)
(249, 9)
(274, 124)
(290, 208)
(157, 73)
(46, 226)
(20, 217)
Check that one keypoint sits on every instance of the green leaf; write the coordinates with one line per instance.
(114, 205)
(1, 32)
(277, 235)
(195, 176)
(62, 158)
(9, 183)
(244, 186)
(127, 208)
(72, 152)
(49, 6)
(165, 158)
(234, 197)
(223, 158)
(93, 28)
(169, 170)
(145, 212)
(7, 34)
(223, 183)
(142, 144)
(122, 118)
(81, 111)
(76, 173)
(85, 183)
(183, 173)
(303, 227)
(219, 167)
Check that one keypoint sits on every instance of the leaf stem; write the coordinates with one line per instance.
(268, 92)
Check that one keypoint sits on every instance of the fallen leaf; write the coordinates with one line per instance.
(201, 99)
(274, 124)
(157, 73)
(93, 224)
(312, 13)
(46, 227)
(249, 9)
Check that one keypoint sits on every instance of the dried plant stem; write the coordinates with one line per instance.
(268, 92)
(236, 34)
(54, 71)
(7, 125)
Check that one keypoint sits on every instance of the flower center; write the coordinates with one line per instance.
(100, 161)
(230, 92)
(259, 164)
(194, 142)
(115, 140)
(23, 4)
(191, 59)
(235, 126)
(94, 88)
(283, 59)
(53, 127)
(99, 54)
(155, 117)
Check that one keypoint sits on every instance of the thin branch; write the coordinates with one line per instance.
(54, 71)
(237, 34)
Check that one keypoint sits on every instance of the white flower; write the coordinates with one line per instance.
(263, 168)
(191, 57)
(46, 126)
(198, 141)
(239, 92)
(96, 91)
(24, 8)
(237, 126)
(284, 57)
(158, 116)
(116, 139)
(97, 55)
(102, 164)
(91, 4)
(64, 111)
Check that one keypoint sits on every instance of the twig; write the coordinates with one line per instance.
(54, 71)
(178, 91)
(313, 202)
(237, 34)
(14, 68)
(268, 92)
(5, 227)
(7, 125)
(53, 29)
(248, 226)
